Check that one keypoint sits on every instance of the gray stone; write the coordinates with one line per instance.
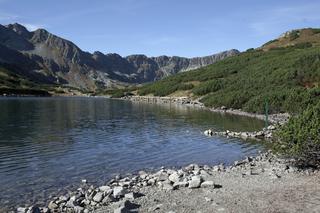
(181, 184)
(162, 176)
(21, 210)
(195, 182)
(104, 188)
(152, 181)
(118, 191)
(167, 186)
(52, 205)
(174, 177)
(98, 197)
(207, 184)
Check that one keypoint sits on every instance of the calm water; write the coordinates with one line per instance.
(50, 144)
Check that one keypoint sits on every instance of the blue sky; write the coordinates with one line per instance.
(163, 27)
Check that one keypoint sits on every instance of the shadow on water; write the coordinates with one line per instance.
(50, 144)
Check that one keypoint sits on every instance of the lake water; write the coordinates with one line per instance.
(47, 145)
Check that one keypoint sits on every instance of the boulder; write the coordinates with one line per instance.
(167, 186)
(52, 205)
(180, 184)
(174, 177)
(207, 184)
(21, 210)
(208, 132)
(104, 188)
(118, 191)
(195, 182)
(98, 197)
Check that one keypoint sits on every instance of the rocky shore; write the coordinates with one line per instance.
(249, 185)
(265, 133)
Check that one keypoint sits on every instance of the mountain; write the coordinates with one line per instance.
(45, 58)
(284, 72)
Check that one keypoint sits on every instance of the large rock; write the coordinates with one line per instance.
(195, 182)
(52, 205)
(104, 188)
(207, 184)
(118, 191)
(98, 197)
(174, 177)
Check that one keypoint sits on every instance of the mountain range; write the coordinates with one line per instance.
(44, 58)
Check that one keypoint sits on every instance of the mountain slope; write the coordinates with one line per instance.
(286, 76)
(58, 61)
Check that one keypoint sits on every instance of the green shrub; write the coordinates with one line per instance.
(300, 137)
(208, 86)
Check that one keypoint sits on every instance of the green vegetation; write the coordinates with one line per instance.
(166, 87)
(270, 42)
(34, 92)
(287, 77)
(301, 137)
(14, 84)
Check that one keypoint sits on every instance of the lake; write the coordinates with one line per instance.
(48, 145)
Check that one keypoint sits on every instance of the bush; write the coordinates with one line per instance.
(300, 137)
(208, 86)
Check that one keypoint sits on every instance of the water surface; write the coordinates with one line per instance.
(50, 144)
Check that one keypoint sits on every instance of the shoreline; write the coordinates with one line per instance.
(279, 118)
(205, 188)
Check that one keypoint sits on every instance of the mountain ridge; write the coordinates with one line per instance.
(61, 60)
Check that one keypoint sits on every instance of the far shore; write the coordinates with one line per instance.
(279, 118)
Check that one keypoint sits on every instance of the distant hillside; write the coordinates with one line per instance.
(307, 36)
(284, 72)
(48, 59)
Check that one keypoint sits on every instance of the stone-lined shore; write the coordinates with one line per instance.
(191, 188)
(265, 133)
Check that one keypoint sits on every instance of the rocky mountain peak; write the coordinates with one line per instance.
(40, 35)
(20, 29)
